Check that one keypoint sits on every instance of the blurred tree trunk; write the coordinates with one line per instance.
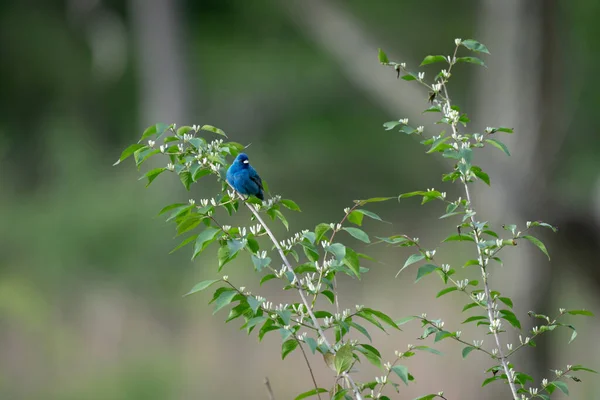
(520, 90)
(161, 61)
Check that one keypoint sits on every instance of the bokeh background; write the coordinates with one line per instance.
(91, 302)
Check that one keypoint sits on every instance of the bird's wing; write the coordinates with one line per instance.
(256, 178)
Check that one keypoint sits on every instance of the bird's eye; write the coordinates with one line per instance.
(245, 161)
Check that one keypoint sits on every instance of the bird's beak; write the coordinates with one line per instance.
(245, 161)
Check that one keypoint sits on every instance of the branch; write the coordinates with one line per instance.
(303, 297)
(269, 390)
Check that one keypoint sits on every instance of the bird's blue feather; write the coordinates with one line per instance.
(244, 178)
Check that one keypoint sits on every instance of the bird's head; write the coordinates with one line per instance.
(242, 160)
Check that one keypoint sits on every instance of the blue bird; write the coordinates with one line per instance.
(244, 178)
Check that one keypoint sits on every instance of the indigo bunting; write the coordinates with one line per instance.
(244, 178)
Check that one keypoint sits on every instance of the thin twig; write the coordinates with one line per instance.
(269, 390)
(312, 375)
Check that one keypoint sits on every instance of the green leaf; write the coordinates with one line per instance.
(204, 239)
(358, 234)
(356, 218)
(511, 318)
(506, 301)
(427, 397)
(391, 125)
(157, 129)
(369, 214)
(500, 129)
(374, 200)
(153, 174)
(211, 128)
(287, 347)
(411, 260)
(402, 373)
(310, 393)
(446, 291)
(471, 60)
(562, 386)
(404, 320)
(490, 380)
(320, 231)
(428, 349)
(432, 59)
(338, 250)
(128, 152)
(352, 262)
(582, 368)
(459, 238)
(474, 318)
(438, 145)
(425, 270)
(383, 317)
(186, 179)
(499, 145)
(224, 299)
(184, 243)
(260, 263)
(480, 174)
(538, 243)
(543, 224)
(475, 46)
(290, 204)
(343, 358)
(383, 58)
(201, 286)
(581, 312)
(467, 350)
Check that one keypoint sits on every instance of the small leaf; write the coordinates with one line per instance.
(391, 125)
(213, 129)
(581, 312)
(480, 174)
(433, 59)
(343, 358)
(128, 152)
(320, 231)
(310, 393)
(538, 243)
(402, 372)
(582, 368)
(201, 286)
(383, 58)
(506, 301)
(446, 291)
(204, 239)
(499, 145)
(356, 218)
(562, 386)
(425, 270)
(358, 234)
(184, 243)
(438, 145)
(459, 238)
(471, 60)
(287, 347)
(224, 299)
(411, 260)
(352, 262)
(475, 46)
(467, 350)
(290, 204)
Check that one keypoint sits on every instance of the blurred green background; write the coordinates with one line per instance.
(90, 299)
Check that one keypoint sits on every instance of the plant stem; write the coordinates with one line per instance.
(490, 301)
(486, 287)
(312, 375)
(305, 301)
